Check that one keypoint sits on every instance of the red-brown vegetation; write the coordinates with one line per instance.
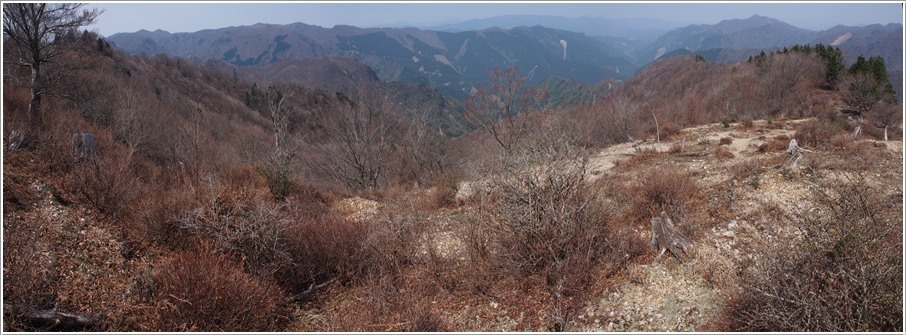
(200, 290)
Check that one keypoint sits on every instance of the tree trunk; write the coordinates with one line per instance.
(36, 121)
(858, 131)
(49, 319)
(657, 127)
(885, 133)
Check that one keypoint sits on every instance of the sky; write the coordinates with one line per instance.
(183, 17)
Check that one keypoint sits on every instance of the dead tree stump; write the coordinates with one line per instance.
(665, 236)
(795, 152)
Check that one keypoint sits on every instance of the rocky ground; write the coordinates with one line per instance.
(673, 295)
(96, 272)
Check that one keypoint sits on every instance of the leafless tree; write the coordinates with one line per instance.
(132, 121)
(862, 93)
(494, 108)
(886, 115)
(785, 72)
(36, 30)
(360, 138)
(622, 113)
(429, 149)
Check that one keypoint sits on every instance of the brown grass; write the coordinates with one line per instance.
(777, 144)
(666, 189)
(747, 172)
(323, 249)
(29, 276)
(670, 129)
(723, 153)
(200, 290)
(844, 275)
(640, 158)
(818, 132)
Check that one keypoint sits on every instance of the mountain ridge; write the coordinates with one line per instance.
(454, 62)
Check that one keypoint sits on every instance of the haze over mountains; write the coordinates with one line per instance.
(455, 58)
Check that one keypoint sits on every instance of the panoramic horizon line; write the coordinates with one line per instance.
(434, 27)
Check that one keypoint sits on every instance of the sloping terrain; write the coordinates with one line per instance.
(747, 214)
(451, 62)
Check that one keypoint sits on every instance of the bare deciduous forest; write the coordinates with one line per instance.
(205, 201)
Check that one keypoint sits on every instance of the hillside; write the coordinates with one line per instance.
(735, 40)
(417, 101)
(633, 29)
(152, 193)
(756, 32)
(451, 62)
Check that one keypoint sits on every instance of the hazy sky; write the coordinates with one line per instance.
(182, 17)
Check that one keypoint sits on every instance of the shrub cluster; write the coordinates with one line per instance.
(201, 290)
(843, 276)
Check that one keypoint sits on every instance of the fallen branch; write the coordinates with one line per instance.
(694, 154)
(311, 289)
(49, 319)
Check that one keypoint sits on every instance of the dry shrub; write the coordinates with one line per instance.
(153, 217)
(108, 184)
(19, 168)
(438, 197)
(777, 144)
(201, 290)
(107, 180)
(716, 268)
(722, 152)
(279, 183)
(243, 186)
(395, 238)
(725, 141)
(310, 198)
(670, 129)
(426, 319)
(624, 243)
(664, 188)
(840, 141)
(817, 133)
(443, 195)
(641, 158)
(866, 154)
(748, 172)
(254, 233)
(321, 249)
(540, 217)
(382, 304)
(843, 276)
(30, 277)
(236, 213)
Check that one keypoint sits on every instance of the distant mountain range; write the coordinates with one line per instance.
(455, 58)
(631, 28)
(735, 40)
(453, 62)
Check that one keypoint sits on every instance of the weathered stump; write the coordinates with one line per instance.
(665, 236)
(795, 152)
